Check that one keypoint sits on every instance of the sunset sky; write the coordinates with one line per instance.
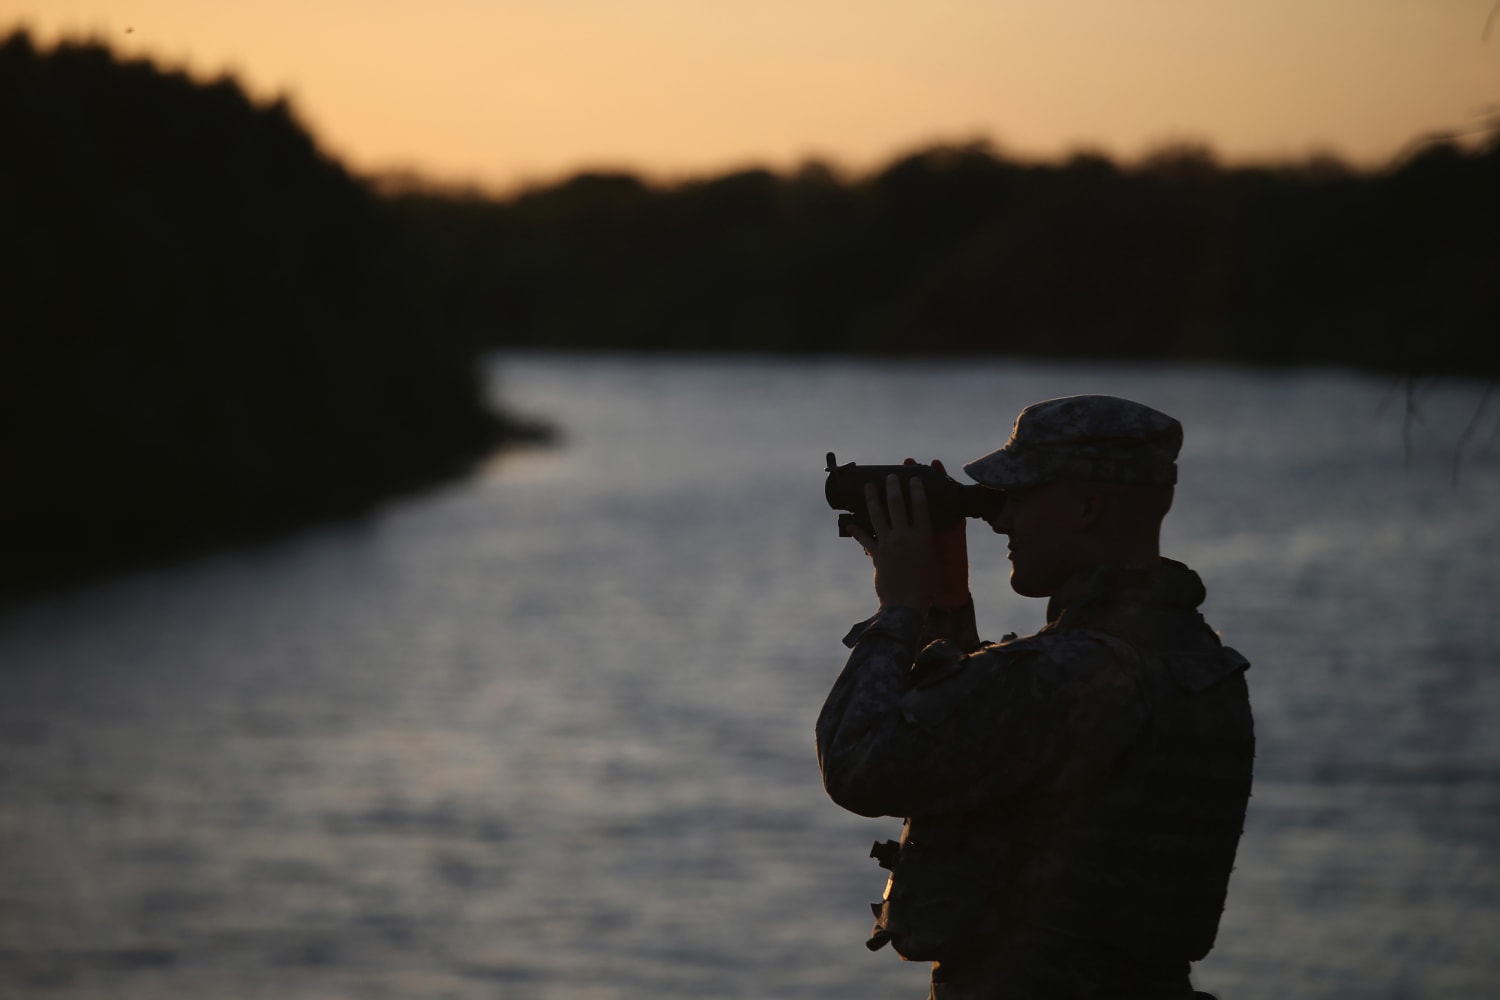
(502, 92)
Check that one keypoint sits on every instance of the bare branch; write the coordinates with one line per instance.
(1411, 416)
(1494, 436)
(1469, 429)
(1385, 401)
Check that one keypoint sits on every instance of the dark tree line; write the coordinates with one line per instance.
(208, 329)
(961, 250)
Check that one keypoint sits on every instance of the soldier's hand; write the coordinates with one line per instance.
(902, 549)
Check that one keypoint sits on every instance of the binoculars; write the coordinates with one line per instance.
(948, 501)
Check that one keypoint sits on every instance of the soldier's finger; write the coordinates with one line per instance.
(894, 501)
(863, 538)
(875, 511)
(919, 517)
(937, 463)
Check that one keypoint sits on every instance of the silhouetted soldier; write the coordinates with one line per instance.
(1074, 798)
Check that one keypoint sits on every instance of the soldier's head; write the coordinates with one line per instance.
(1088, 480)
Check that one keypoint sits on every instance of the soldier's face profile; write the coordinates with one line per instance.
(1038, 522)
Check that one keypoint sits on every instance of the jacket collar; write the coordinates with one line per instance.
(1099, 592)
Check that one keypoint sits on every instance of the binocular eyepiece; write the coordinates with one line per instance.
(948, 501)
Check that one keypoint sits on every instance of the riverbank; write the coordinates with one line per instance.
(211, 332)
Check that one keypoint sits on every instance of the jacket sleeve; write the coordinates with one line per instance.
(942, 732)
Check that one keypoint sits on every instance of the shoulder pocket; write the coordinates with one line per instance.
(1197, 672)
(944, 680)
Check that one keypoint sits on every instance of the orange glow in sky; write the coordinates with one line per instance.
(504, 91)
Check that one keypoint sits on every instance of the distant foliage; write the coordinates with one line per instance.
(208, 330)
(957, 249)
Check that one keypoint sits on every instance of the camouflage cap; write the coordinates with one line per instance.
(1084, 437)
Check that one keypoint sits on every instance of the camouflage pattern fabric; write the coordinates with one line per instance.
(1005, 973)
(944, 731)
(947, 733)
(1103, 438)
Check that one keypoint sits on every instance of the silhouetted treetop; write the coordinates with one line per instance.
(209, 329)
(957, 248)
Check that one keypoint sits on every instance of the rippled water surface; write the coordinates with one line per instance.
(547, 732)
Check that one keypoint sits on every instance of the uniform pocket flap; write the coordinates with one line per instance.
(1200, 671)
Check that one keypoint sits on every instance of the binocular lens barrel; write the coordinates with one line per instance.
(948, 501)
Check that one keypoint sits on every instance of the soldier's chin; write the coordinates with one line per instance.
(1023, 584)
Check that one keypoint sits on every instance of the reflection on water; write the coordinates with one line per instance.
(547, 733)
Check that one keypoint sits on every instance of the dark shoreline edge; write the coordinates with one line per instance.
(211, 333)
(510, 433)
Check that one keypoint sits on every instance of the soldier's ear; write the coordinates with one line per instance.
(1088, 505)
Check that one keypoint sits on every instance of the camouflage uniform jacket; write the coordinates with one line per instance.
(958, 730)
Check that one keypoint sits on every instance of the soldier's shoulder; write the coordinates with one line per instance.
(1049, 661)
(1076, 647)
(1014, 679)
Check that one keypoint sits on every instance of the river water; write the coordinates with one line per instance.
(547, 732)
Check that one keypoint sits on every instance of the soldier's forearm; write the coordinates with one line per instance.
(956, 624)
(858, 720)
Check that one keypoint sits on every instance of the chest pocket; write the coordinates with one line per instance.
(938, 888)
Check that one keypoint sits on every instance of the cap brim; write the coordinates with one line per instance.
(999, 470)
